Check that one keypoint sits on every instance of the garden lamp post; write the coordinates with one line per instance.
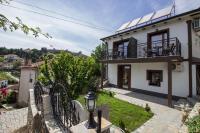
(90, 104)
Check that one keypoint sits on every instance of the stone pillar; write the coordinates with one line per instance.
(27, 79)
(46, 99)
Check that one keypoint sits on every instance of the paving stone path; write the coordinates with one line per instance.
(12, 120)
(165, 119)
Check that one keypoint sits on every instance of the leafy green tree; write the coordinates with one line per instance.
(98, 54)
(77, 74)
(7, 24)
(16, 64)
(1, 59)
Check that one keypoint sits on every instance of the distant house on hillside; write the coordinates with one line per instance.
(9, 60)
(11, 57)
(156, 54)
(3, 83)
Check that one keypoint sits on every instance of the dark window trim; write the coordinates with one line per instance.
(149, 35)
(117, 43)
(154, 71)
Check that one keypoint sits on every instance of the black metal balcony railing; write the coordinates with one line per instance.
(159, 48)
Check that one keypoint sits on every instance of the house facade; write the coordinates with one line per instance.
(157, 54)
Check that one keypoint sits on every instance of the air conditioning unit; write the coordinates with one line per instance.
(177, 66)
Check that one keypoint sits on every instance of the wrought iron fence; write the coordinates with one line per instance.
(38, 91)
(165, 48)
(64, 109)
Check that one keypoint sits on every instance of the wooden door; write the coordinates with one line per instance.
(119, 76)
(124, 76)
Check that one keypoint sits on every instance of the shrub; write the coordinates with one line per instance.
(111, 94)
(194, 124)
(147, 108)
(184, 116)
(123, 126)
(12, 81)
(11, 98)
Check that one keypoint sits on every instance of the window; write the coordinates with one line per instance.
(155, 77)
(120, 48)
(196, 23)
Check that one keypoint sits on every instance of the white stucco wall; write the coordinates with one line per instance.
(112, 73)
(138, 78)
(177, 29)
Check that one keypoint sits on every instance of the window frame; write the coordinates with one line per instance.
(149, 74)
(196, 21)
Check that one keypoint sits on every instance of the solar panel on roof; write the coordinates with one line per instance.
(134, 22)
(124, 26)
(162, 12)
(149, 18)
(146, 18)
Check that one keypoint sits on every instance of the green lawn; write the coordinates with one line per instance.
(5, 76)
(133, 116)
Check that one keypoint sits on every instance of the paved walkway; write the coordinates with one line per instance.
(12, 120)
(165, 119)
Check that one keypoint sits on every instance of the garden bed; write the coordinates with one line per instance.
(132, 116)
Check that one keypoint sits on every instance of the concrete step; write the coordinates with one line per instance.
(192, 101)
(183, 104)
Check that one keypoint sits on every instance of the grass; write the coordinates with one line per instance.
(5, 76)
(194, 124)
(133, 116)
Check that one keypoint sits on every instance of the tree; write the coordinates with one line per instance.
(98, 54)
(77, 74)
(6, 24)
(16, 64)
(1, 59)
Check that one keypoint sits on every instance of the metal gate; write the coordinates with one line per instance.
(63, 108)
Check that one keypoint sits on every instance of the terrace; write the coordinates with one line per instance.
(158, 49)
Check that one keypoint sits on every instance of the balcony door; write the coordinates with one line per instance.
(124, 76)
(158, 40)
(120, 49)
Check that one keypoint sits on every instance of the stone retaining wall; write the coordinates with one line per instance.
(38, 122)
(194, 112)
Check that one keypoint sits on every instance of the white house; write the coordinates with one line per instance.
(157, 54)
(11, 57)
(3, 83)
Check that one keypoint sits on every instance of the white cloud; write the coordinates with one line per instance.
(186, 5)
(58, 29)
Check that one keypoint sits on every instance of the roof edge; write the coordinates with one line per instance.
(179, 15)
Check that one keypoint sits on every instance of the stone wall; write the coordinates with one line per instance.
(35, 121)
(41, 122)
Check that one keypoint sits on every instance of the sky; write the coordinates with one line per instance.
(108, 15)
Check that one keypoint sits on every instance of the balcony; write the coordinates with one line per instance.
(160, 48)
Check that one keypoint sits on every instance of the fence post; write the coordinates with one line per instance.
(99, 121)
